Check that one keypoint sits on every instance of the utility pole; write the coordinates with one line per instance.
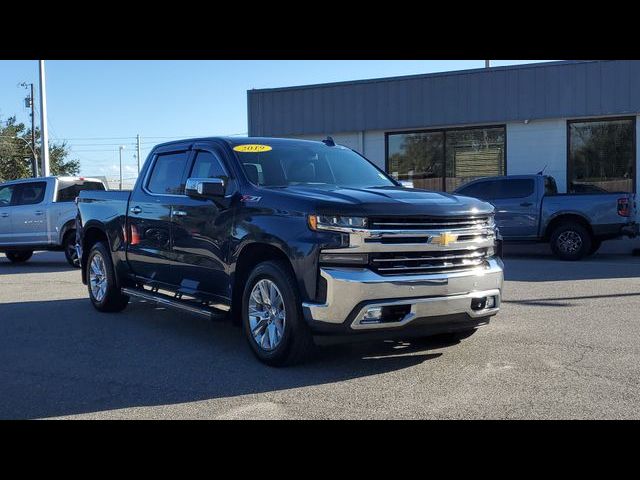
(138, 154)
(121, 148)
(44, 132)
(29, 101)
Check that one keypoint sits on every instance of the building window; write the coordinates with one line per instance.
(445, 159)
(417, 158)
(601, 156)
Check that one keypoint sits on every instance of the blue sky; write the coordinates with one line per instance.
(98, 105)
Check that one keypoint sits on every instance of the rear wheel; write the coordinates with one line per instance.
(70, 252)
(101, 281)
(571, 241)
(19, 257)
(272, 316)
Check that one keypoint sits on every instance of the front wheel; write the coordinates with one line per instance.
(571, 241)
(19, 257)
(101, 281)
(70, 252)
(272, 316)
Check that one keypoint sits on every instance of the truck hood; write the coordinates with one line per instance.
(382, 201)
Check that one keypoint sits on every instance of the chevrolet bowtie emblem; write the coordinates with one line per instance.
(445, 239)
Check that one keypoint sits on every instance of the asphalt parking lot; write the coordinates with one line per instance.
(566, 345)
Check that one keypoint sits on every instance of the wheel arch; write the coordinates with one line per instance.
(91, 235)
(567, 218)
(248, 257)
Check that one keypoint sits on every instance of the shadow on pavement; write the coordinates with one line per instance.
(41, 262)
(63, 358)
(542, 268)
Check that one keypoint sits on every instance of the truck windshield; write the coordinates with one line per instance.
(312, 165)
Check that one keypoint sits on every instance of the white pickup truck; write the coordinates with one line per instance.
(39, 214)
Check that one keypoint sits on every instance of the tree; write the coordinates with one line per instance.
(16, 154)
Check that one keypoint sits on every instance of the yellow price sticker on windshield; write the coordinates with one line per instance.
(252, 148)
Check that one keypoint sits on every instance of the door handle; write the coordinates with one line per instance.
(38, 212)
(4, 215)
(526, 204)
(135, 210)
(179, 213)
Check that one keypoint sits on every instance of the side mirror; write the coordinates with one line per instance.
(205, 187)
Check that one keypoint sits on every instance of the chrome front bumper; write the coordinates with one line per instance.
(351, 292)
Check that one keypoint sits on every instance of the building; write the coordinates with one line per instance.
(577, 120)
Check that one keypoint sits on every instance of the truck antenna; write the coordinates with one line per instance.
(541, 172)
(329, 142)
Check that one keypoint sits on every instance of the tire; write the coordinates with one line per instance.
(110, 299)
(571, 241)
(595, 246)
(292, 339)
(19, 256)
(69, 245)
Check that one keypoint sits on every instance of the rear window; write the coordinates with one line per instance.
(516, 188)
(30, 193)
(69, 190)
(166, 176)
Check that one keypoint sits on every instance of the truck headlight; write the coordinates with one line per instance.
(336, 223)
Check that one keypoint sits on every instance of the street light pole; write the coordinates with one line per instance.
(138, 146)
(34, 160)
(44, 132)
(121, 148)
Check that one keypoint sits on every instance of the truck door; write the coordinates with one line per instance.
(149, 215)
(7, 194)
(517, 211)
(200, 231)
(29, 214)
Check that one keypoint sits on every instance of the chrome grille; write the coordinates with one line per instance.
(440, 261)
(428, 223)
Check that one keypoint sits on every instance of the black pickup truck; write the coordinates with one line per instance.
(292, 239)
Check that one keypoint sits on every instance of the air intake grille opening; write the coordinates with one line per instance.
(444, 261)
(428, 223)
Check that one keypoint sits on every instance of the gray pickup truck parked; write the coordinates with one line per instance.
(529, 208)
(39, 214)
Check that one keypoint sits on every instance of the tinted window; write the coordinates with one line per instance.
(481, 190)
(207, 165)
(550, 187)
(166, 176)
(516, 188)
(499, 189)
(30, 193)
(601, 155)
(68, 191)
(6, 193)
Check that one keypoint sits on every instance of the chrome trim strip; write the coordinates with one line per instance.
(430, 307)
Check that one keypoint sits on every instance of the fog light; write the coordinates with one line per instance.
(491, 302)
(372, 315)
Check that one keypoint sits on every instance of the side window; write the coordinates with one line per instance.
(516, 188)
(207, 165)
(166, 176)
(30, 193)
(6, 193)
(550, 187)
(481, 190)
